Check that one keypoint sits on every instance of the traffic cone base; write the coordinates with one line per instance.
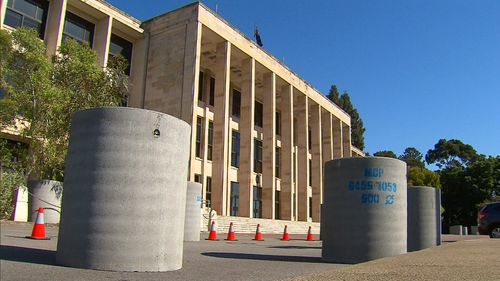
(38, 232)
(231, 236)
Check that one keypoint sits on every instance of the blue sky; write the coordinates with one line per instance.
(416, 70)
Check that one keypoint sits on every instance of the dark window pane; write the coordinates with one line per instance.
(199, 127)
(235, 198)
(120, 46)
(278, 123)
(257, 202)
(208, 191)
(258, 114)
(236, 109)
(257, 161)
(28, 8)
(78, 29)
(27, 13)
(235, 149)
(13, 19)
(211, 100)
(210, 140)
(278, 163)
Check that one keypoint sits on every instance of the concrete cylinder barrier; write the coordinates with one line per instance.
(422, 220)
(124, 191)
(45, 194)
(192, 222)
(364, 209)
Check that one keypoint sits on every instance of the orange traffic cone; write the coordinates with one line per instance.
(231, 235)
(285, 236)
(213, 233)
(309, 235)
(38, 232)
(258, 235)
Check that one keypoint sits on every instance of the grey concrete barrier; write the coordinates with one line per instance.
(423, 223)
(457, 230)
(192, 223)
(473, 230)
(124, 191)
(364, 209)
(45, 194)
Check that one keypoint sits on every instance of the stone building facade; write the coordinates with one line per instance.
(260, 133)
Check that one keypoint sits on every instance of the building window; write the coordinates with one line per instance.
(310, 172)
(200, 86)
(258, 118)
(120, 46)
(277, 210)
(210, 140)
(199, 129)
(208, 191)
(211, 100)
(27, 13)
(78, 29)
(310, 207)
(235, 149)
(198, 178)
(257, 202)
(257, 156)
(236, 108)
(235, 198)
(277, 162)
(278, 123)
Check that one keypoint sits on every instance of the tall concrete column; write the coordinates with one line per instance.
(138, 72)
(316, 161)
(190, 87)
(269, 146)
(286, 202)
(245, 171)
(55, 25)
(302, 127)
(327, 134)
(3, 8)
(221, 128)
(338, 151)
(102, 39)
(346, 139)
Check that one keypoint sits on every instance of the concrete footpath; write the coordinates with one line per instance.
(460, 258)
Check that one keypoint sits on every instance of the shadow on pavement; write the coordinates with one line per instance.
(263, 257)
(295, 247)
(30, 255)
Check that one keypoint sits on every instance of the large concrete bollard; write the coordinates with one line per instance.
(457, 230)
(124, 191)
(364, 209)
(192, 222)
(422, 220)
(45, 194)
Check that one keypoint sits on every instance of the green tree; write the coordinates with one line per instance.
(42, 93)
(12, 175)
(385, 153)
(451, 153)
(357, 127)
(412, 157)
(419, 176)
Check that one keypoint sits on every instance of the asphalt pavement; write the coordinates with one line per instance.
(459, 258)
